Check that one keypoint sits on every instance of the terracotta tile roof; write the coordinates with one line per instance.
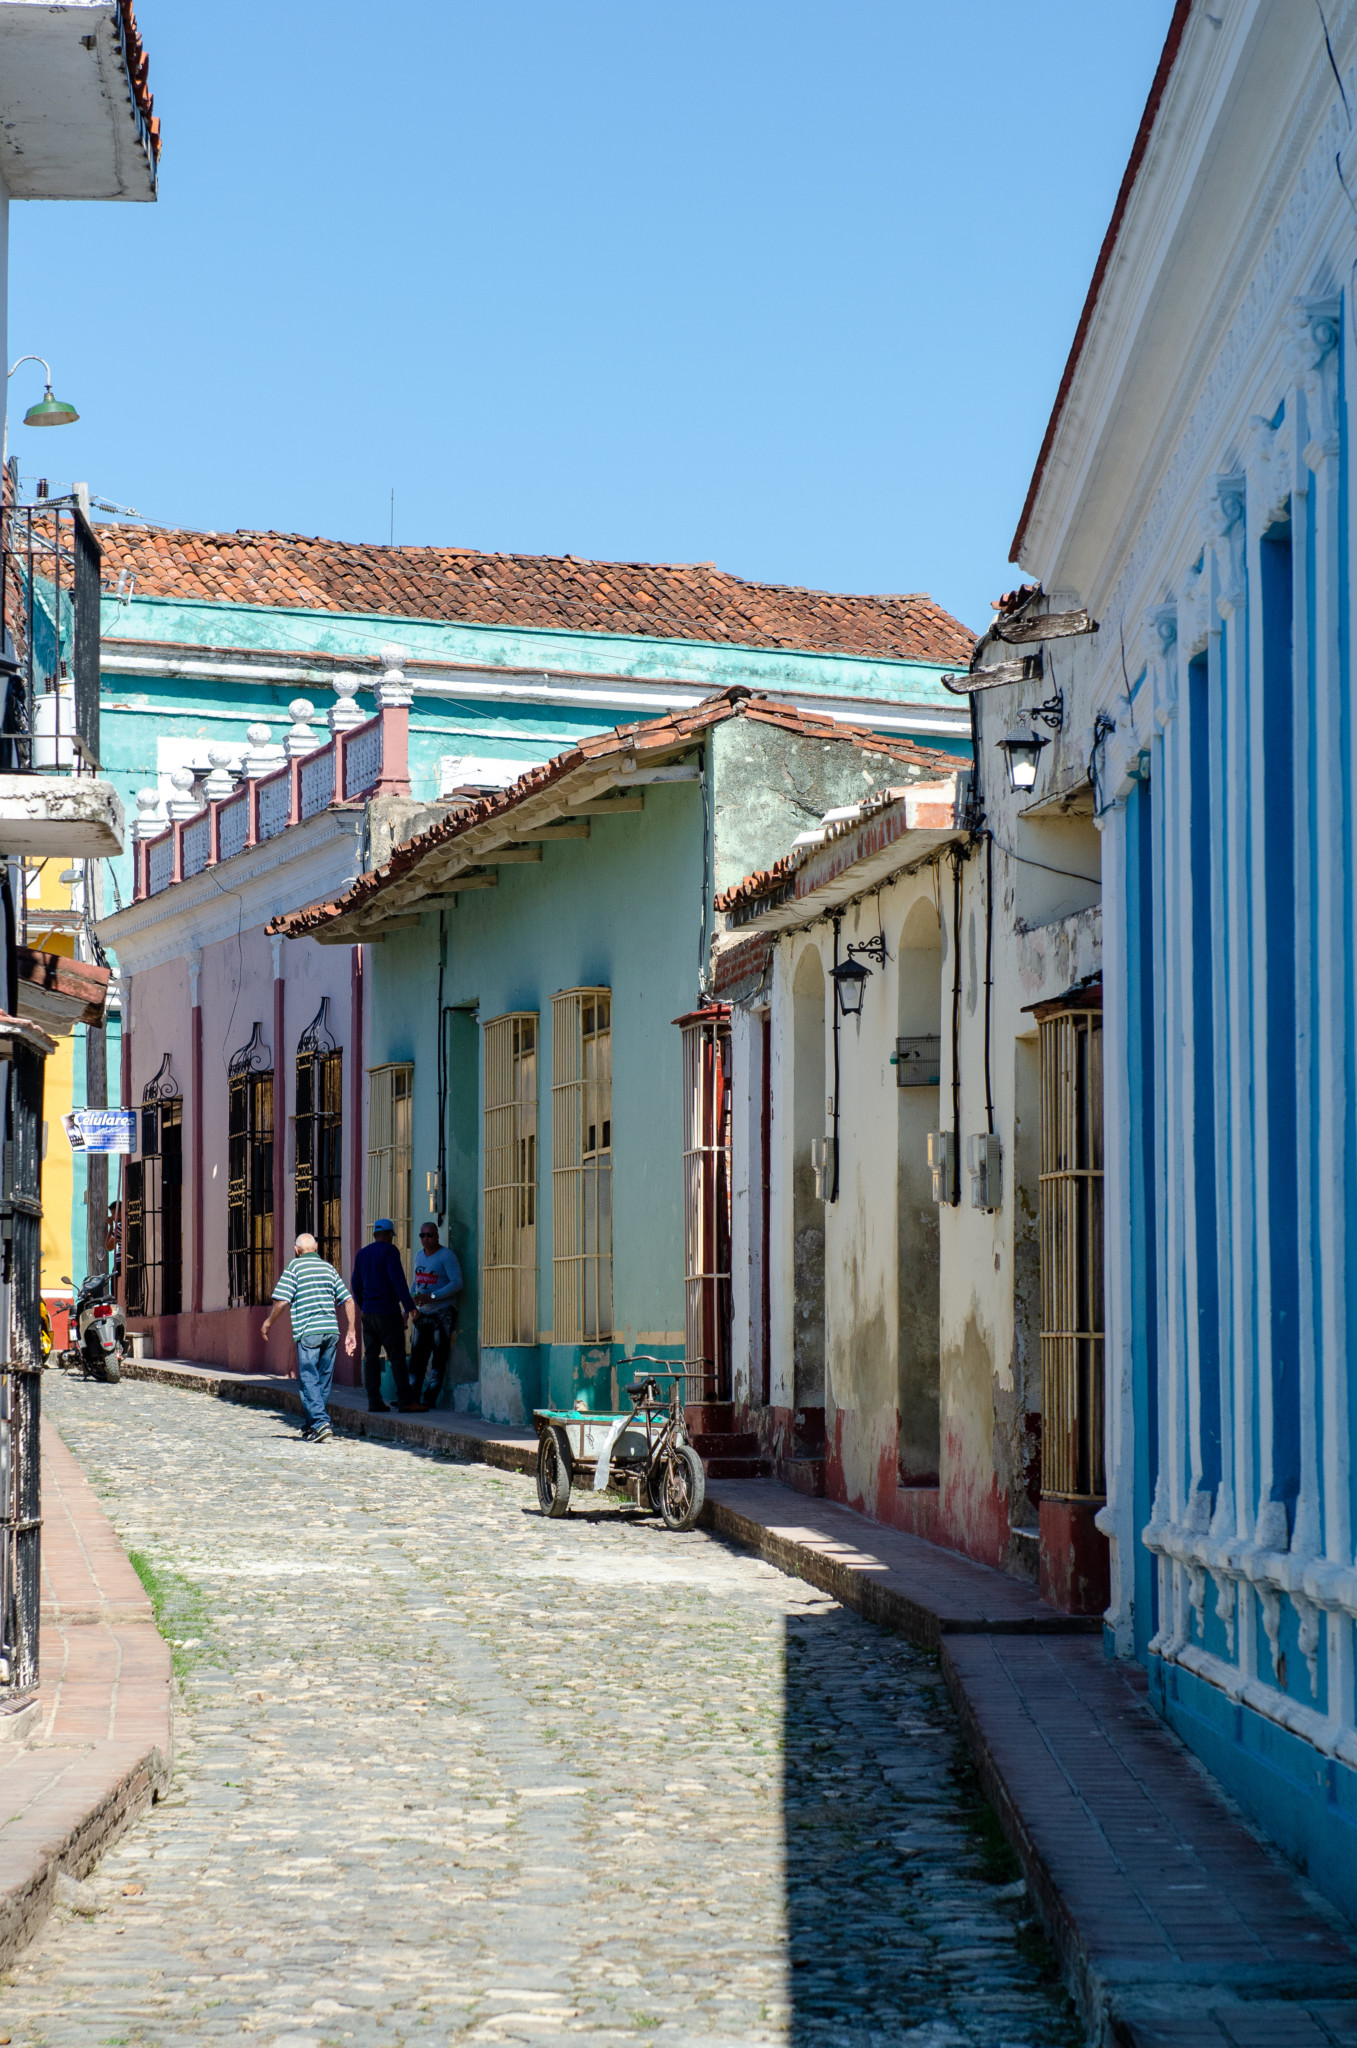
(664, 601)
(654, 736)
(862, 832)
(80, 981)
(26, 1032)
(138, 69)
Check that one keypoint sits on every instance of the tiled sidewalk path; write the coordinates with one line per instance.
(1178, 1927)
(100, 1748)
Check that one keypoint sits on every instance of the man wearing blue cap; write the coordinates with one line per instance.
(384, 1302)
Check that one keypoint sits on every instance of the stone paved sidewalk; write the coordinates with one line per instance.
(450, 1771)
(99, 1745)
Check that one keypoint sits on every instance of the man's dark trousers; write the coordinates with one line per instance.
(385, 1333)
(433, 1342)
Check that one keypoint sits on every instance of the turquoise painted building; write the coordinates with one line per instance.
(530, 959)
(509, 659)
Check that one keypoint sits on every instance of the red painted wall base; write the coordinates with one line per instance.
(1075, 1564)
(229, 1338)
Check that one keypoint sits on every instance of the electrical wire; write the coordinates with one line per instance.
(703, 949)
(957, 859)
(442, 1072)
(989, 971)
(834, 999)
(1071, 874)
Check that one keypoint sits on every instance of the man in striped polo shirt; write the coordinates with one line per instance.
(310, 1286)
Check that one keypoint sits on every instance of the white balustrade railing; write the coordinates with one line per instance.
(233, 826)
(318, 781)
(363, 758)
(274, 798)
(197, 844)
(160, 865)
(369, 757)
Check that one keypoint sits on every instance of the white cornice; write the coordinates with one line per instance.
(1238, 174)
(307, 863)
(438, 682)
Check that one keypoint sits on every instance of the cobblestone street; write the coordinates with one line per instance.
(447, 1770)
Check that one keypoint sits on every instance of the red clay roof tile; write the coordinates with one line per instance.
(623, 739)
(662, 601)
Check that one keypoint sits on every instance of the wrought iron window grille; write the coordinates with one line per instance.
(318, 1127)
(249, 1188)
(153, 1209)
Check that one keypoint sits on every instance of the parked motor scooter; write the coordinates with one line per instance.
(100, 1333)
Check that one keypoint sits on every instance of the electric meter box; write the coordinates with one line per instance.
(821, 1160)
(942, 1164)
(984, 1163)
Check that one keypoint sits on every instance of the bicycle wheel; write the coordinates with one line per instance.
(683, 1488)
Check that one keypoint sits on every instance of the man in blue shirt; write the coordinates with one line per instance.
(438, 1292)
(384, 1302)
(310, 1286)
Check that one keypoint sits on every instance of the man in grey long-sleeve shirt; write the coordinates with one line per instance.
(438, 1291)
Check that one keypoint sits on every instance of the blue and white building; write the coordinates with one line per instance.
(1194, 492)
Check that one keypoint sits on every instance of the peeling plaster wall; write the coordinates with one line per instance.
(768, 785)
(873, 1259)
(990, 1305)
(932, 1372)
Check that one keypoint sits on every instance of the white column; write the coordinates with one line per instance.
(1331, 918)
(1234, 1035)
(1117, 1518)
(1171, 1489)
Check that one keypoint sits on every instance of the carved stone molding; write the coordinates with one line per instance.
(1269, 468)
(1226, 502)
(1194, 612)
(1312, 184)
(1161, 644)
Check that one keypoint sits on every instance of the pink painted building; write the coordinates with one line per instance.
(245, 1056)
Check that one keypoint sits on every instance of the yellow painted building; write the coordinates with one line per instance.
(52, 925)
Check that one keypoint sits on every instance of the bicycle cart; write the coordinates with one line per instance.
(643, 1451)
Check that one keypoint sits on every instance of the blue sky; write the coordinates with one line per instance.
(770, 283)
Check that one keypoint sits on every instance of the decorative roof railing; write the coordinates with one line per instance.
(369, 760)
(49, 647)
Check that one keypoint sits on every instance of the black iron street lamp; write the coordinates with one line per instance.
(850, 978)
(1022, 752)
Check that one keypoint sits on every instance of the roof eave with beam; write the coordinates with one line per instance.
(469, 861)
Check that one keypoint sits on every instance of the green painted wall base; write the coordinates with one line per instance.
(516, 1378)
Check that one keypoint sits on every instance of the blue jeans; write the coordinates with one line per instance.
(316, 1371)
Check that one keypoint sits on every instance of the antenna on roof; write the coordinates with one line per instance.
(391, 538)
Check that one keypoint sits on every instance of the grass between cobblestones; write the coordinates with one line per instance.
(450, 1772)
(177, 1604)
